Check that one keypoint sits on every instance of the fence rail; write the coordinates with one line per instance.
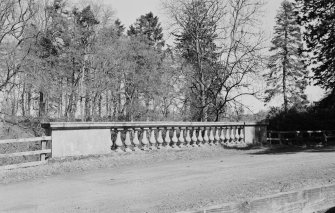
(42, 153)
(300, 137)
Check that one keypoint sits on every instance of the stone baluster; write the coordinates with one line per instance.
(237, 135)
(153, 139)
(118, 142)
(127, 142)
(217, 136)
(160, 140)
(200, 138)
(232, 135)
(181, 138)
(242, 134)
(188, 138)
(136, 141)
(145, 141)
(211, 136)
(194, 138)
(206, 139)
(228, 136)
(222, 137)
(174, 138)
(167, 138)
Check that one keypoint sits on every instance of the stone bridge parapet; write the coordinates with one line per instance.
(91, 138)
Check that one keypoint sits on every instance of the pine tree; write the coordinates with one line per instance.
(287, 72)
(196, 44)
(318, 18)
(119, 27)
(149, 28)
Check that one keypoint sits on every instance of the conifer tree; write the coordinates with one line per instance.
(149, 27)
(287, 72)
(196, 44)
(318, 18)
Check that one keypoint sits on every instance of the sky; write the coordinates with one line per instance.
(129, 10)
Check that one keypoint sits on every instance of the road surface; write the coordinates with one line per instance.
(171, 186)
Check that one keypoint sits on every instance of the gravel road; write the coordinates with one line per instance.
(165, 184)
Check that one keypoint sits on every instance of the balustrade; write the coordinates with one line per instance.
(87, 138)
(127, 138)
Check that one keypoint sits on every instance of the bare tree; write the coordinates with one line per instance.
(223, 44)
(14, 17)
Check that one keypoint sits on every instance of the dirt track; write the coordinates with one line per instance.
(170, 186)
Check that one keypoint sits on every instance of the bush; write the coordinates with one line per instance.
(321, 116)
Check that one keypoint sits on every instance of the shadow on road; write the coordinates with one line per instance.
(293, 150)
(332, 210)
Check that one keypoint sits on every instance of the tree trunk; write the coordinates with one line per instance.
(41, 105)
(100, 106)
(69, 111)
(14, 105)
(202, 81)
(23, 100)
(107, 103)
(29, 101)
(285, 72)
(87, 109)
(204, 104)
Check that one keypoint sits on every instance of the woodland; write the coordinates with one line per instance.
(61, 61)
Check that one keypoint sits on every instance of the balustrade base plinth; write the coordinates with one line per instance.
(136, 149)
(128, 150)
(181, 146)
(153, 147)
(119, 150)
(175, 146)
(145, 148)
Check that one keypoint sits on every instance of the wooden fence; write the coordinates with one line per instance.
(300, 137)
(43, 152)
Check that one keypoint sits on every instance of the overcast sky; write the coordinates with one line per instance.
(129, 10)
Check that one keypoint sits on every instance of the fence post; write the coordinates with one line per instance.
(280, 138)
(44, 146)
(298, 138)
(325, 137)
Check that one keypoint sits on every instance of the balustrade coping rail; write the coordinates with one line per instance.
(114, 125)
